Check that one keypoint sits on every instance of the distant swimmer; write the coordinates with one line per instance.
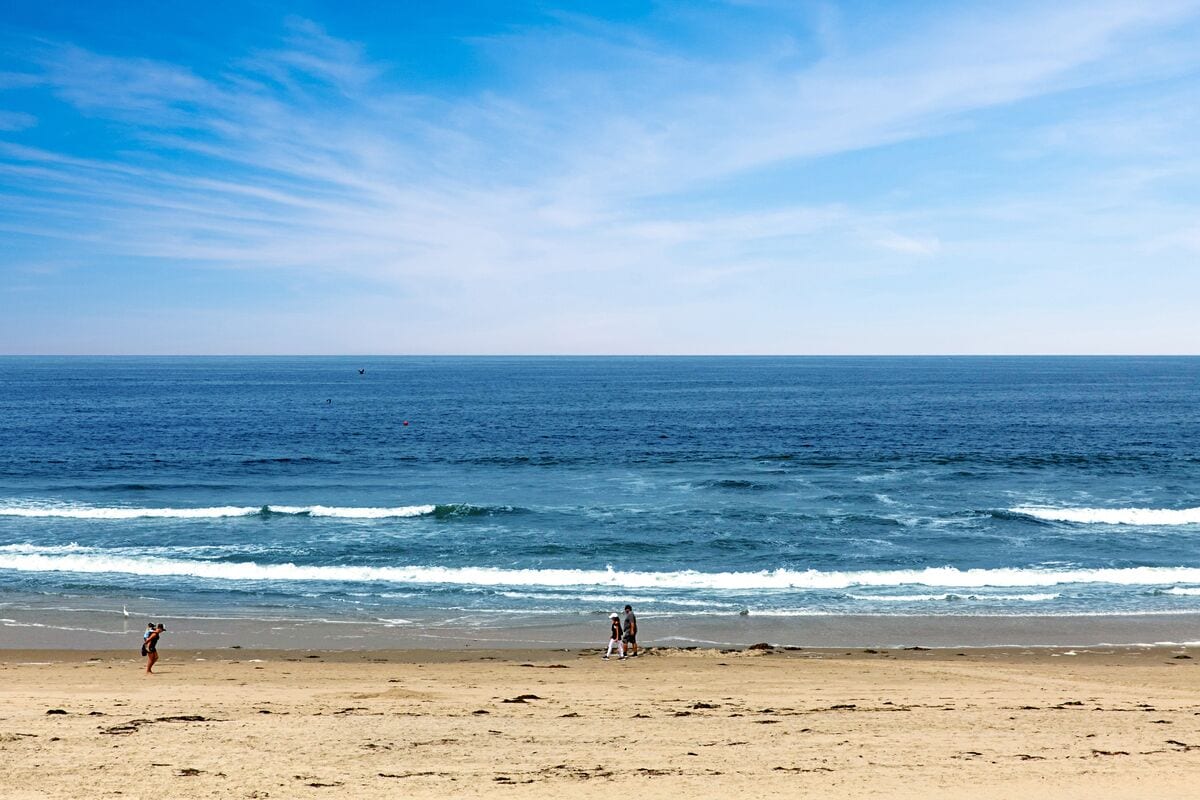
(361, 371)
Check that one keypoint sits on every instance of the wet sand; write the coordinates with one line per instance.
(1102, 722)
(107, 628)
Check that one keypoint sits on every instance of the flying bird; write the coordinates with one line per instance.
(361, 371)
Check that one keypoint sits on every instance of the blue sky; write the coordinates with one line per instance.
(698, 177)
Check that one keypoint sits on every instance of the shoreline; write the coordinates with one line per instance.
(27, 656)
(106, 630)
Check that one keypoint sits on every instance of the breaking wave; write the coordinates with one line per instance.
(32, 559)
(216, 512)
(1113, 516)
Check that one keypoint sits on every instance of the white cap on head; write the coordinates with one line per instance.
(614, 616)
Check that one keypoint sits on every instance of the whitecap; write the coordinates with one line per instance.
(1113, 516)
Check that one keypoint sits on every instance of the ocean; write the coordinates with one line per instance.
(456, 496)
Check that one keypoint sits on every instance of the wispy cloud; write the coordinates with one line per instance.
(602, 153)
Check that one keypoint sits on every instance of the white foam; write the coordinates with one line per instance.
(1189, 591)
(917, 598)
(1113, 516)
(211, 512)
(93, 512)
(355, 513)
(781, 579)
(616, 598)
(43, 549)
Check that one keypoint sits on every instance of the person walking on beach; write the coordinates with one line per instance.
(150, 648)
(630, 634)
(614, 636)
(146, 636)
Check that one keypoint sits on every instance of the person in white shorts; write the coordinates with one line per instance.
(614, 636)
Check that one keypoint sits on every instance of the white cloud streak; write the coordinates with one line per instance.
(306, 158)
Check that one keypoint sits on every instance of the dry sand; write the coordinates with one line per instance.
(1111, 722)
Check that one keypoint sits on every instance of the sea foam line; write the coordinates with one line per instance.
(942, 577)
(212, 512)
(949, 597)
(1113, 516)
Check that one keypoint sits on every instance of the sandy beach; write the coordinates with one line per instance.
(1004, 722)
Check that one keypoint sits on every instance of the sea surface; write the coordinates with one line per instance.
(491, 492)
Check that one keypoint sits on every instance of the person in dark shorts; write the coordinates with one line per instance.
(630, 633)
(150, 647)
(614, 636)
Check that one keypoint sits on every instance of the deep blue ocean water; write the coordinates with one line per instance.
(458, 488)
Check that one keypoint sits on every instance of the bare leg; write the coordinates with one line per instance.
(150, 659)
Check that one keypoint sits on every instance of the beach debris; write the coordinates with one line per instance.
(55, 711)
(546, 666)
(568, 716)
(521, 698)
(1183, 657)
(1096, 753)
(479, 711)
(504, 779)
(705, 705)
(923, 649)
(133, 724)
(408, 774)
(1184, 746)
(189, 772)
(760, 646)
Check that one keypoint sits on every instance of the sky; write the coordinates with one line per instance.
(740, 177)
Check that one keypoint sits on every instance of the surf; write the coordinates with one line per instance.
(1112, 516)
(85, 512)
(31, 559)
